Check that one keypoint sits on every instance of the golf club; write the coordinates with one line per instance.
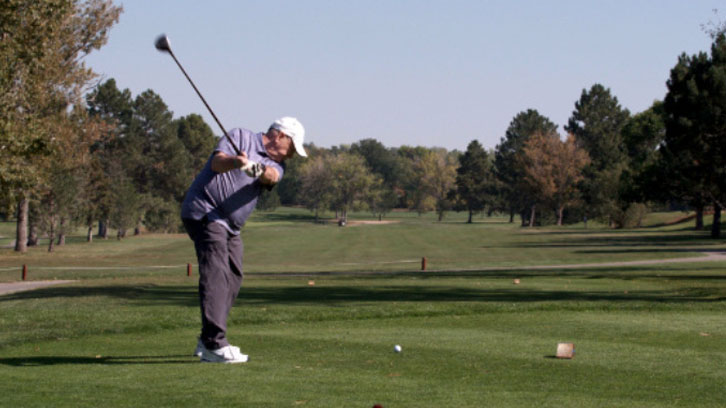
(162, 44)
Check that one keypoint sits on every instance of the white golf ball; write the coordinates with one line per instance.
(397, 348)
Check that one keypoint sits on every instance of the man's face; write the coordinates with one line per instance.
(280, 146)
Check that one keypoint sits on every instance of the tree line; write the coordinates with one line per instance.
(610, 166)
(75, 152)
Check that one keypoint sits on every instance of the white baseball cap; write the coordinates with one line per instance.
(295, 130)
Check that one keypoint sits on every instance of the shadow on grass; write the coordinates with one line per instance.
(621, 240)
(420, 287)
(262, 216)
(339, 296)
(41, 361)
(646, 230)
(179, 295)
(694, 253)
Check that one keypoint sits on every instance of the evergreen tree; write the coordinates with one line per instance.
(642, 134)
(474, 179)
(197, 138)
(115, 108)
(694, 149)
(597, 123)
(155, 159)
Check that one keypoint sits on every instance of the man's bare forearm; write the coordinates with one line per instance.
(222, 162)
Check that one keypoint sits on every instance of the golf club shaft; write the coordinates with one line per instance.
(224, 132)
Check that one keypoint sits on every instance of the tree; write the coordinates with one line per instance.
(352, 183)
(289, 188)
(316, 191)
(435, 177)
(115, 108)
(42, 46)
(155, 159)
(716, 130)
(113, 105)
(63, 189)
(126, 206)
(269, 200)
(643, 179)
(25, 27)
(642, 134)
(198, 140)
(714, 28)
(385, 164)
(339, 181)
(474, 179)
(59, 208)
(597, 123)
(411, 196)
(382, 200)
(521, 128)
(552, 170)
(380, 160)
(694, 148)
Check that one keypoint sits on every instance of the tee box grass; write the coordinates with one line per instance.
(322, 307)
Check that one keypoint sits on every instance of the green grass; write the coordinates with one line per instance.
(7, 232)
(646, 336)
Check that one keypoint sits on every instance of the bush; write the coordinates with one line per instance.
(634, 215)
(268, 201)
(163, 217)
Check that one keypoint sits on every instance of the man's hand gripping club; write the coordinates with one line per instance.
(222, 163)
(254, 169)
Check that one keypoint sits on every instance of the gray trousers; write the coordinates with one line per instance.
(219, 254)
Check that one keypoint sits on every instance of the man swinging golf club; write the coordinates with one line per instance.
(215, 208)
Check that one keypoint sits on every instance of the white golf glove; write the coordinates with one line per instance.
(253, 169)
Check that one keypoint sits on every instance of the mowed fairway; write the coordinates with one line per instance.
(322, 307)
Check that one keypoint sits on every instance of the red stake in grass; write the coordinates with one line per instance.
(189, 269)
(25, 271)
(423, 263)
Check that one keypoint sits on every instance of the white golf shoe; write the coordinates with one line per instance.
(198, 350)
(226, 354)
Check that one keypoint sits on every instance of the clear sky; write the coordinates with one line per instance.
(427, 72)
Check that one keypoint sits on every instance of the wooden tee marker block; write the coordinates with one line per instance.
(565, 350)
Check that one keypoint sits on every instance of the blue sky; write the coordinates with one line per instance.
(430, 73)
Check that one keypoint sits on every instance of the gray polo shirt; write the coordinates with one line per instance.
(228, 198)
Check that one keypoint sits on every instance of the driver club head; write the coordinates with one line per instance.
(162, 43)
